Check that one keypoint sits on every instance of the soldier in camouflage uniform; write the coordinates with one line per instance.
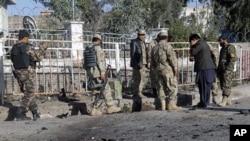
(153, 71)
(138, 63)
(225, 69)
(214, 88)
(24, 58)
(94, 63)
(165, 61)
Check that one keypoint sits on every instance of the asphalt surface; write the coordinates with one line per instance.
(210, 124)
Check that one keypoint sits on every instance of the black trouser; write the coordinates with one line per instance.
(204, 80)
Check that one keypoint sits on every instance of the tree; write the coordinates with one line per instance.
(89, 11)
(125, 16)
(128, 15)
(235, 14)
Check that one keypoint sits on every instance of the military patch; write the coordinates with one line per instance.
(232, 55)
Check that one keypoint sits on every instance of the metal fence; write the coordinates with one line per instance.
(59, 70)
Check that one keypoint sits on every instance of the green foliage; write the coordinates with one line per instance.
(126, 16)
(234, 14)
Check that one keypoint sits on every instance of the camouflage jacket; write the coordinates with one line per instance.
(227, 58)
(151, 45)
(100, 68)
(36, 54)
(32, 55)
(164, 57)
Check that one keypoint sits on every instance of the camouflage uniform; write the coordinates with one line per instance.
(215, 56)
(225, 69)
(165, 61)
(153, 71)
(26, 78)
(94, 73)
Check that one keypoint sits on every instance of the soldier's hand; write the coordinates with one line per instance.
(191, 58)
(43, 46)
(102, 77)
(149, 65)
(175, 72)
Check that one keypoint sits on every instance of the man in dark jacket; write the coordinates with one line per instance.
(204, 67)
(138, 63)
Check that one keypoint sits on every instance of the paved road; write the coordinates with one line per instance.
(211, 124)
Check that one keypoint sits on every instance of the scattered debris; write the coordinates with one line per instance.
(62, 115)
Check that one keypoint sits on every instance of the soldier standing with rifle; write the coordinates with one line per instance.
(24, 58)
(94, 63)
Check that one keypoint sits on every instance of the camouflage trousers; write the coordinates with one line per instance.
(106, 93)
(167, 85)
(153, 78)
(215, 88)
(139, 79)
(26, 81)
(226, 78)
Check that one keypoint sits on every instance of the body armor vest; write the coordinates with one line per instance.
(19, 56)
(90, 57)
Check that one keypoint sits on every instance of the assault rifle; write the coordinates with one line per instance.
(100, 87)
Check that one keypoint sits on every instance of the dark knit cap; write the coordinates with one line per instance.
(23, 33)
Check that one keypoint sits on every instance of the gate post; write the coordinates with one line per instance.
(2, 82)
(76, 36)
(4, 30)
(117, 60)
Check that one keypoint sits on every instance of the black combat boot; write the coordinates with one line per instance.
(21, 114)
(35, 115)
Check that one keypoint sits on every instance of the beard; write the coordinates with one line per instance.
(222, 44)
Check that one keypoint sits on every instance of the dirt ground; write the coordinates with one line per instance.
(59, 124)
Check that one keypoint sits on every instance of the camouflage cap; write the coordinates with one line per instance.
(141, 31)
(98, 36)
(163, 33)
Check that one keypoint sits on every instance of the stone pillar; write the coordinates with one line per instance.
(4, 29)
(76, 37)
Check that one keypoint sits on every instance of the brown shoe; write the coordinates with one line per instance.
(113, 109)
(95, 112)
(173, 106)
(223, 102)
(214, 100)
